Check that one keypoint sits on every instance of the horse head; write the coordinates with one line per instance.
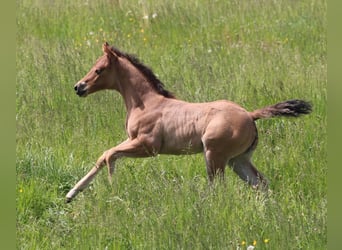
(101, 75)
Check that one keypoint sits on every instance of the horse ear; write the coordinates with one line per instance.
(107, 50)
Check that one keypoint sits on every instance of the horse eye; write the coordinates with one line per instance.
(98, 71)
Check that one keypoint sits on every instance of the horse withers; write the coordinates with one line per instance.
(159, 123)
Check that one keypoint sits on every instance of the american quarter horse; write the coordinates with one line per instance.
(159, 123)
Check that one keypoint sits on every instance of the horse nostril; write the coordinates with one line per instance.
(81, 89)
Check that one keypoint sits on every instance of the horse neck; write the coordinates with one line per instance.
(134, 87)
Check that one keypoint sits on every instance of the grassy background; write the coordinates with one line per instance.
(255, 53)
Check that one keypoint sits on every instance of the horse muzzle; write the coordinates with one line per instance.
(81, 89)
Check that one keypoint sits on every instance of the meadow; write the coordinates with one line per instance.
(255, 53)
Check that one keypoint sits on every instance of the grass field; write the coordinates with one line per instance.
(255, 53)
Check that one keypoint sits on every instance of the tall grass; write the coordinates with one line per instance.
(255, 53)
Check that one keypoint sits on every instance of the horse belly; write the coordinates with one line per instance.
(180, 148)
(182, 127)
(181, 140)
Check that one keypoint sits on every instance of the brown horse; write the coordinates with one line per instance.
(158, 123)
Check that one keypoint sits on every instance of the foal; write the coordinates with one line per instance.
(158, 123)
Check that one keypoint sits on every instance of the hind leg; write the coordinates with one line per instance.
(215, 163)
(244, 168)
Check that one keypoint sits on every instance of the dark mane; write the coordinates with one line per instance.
(147, 72)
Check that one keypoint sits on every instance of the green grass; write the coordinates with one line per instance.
(255, 53)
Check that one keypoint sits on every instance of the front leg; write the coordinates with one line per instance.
(129, 148)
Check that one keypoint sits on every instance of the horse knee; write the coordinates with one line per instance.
(101, 161)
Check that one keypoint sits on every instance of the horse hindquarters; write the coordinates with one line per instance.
(224, 139)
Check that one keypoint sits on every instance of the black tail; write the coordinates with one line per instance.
(292, 108)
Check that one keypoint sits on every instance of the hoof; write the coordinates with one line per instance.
(72, 193)
(68, 199)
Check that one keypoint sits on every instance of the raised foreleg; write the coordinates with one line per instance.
(129, 148)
